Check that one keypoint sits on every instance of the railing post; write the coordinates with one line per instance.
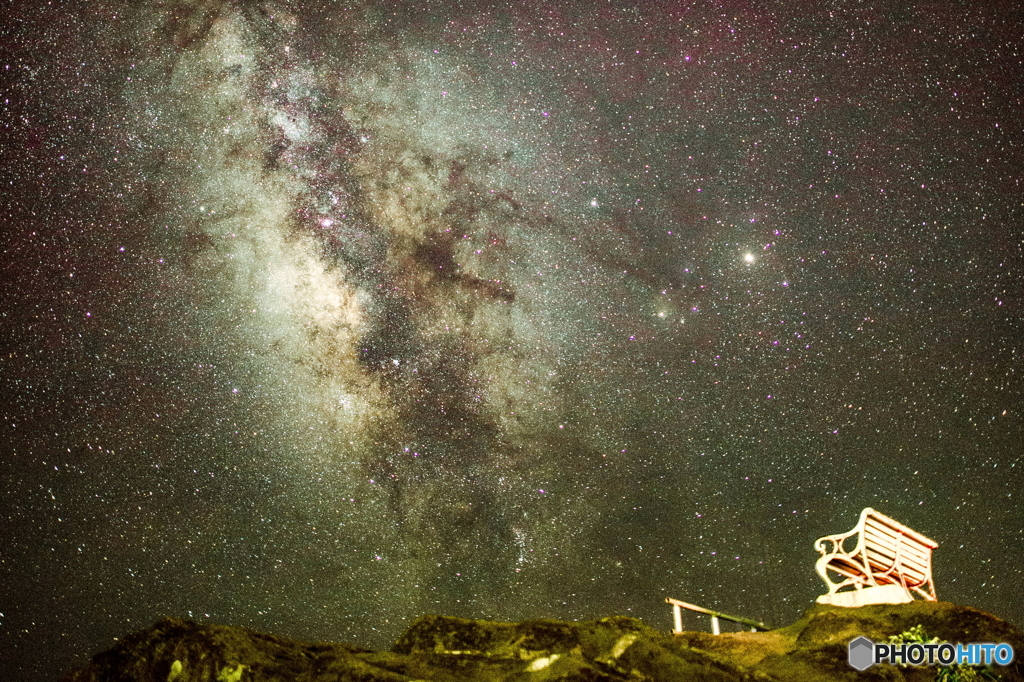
(677, 617)
(715, 629)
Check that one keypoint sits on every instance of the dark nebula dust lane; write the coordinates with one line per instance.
(319, 317)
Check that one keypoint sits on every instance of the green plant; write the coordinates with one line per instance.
(944, 673)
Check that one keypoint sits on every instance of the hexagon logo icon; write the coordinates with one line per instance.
(862, 653)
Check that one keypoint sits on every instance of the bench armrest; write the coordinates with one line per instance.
(836, 540)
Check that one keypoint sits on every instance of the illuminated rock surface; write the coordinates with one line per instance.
(615, 648)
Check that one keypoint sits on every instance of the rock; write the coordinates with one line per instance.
(814, 648)
(443, 648)
(615, 648)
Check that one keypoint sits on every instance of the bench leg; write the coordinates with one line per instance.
(821, 566)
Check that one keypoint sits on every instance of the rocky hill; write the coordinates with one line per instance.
(442, 648)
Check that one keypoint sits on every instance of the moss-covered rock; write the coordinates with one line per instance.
(615, 649)
(815, 646)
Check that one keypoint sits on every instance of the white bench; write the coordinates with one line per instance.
(881, 561)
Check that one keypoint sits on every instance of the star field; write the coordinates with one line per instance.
(319, 317)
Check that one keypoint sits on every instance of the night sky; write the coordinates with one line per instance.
(317, 317)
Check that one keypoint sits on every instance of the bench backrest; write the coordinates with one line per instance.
(893, 550)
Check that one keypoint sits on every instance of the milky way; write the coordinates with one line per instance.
(317, 319)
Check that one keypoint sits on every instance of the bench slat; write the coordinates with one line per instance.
(906, 548)
(886, 532)
(903, 549)
(887, 565)
(886, 535)
(881, 520)
(912, 575)
(905, 557)
(905, 552)
(887, 559)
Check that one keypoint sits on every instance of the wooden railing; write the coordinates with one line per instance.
(677, 617)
